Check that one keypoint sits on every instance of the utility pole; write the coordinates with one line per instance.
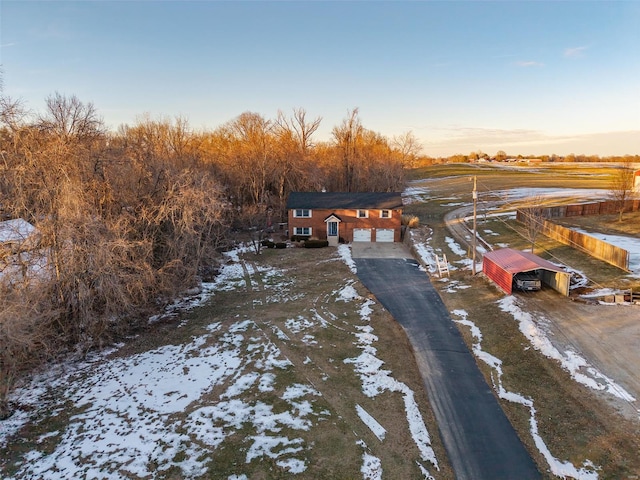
(475, 205)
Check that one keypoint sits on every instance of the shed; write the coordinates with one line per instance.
(501, 266)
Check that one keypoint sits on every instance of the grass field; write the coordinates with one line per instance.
(576, 422)
(291, 370)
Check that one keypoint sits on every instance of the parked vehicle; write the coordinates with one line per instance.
(527, 281)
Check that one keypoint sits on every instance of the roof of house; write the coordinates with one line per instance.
(515, 261)
(335, 200)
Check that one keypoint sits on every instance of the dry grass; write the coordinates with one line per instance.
(575, 422)
(312, 278)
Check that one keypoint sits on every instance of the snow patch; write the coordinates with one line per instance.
(557, 467)
(570, 360)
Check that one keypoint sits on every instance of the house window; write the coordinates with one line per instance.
(304, 231)
(385, 213)
(332, 229)
(363, 213)
(302, 213)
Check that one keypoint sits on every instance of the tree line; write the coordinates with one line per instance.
(128, 219)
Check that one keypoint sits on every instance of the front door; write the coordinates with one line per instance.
(332, 233)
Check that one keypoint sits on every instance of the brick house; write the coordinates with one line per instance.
(345, 216)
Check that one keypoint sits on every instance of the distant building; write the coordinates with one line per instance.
(636, 181)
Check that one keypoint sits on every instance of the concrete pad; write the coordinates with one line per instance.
(380, 250)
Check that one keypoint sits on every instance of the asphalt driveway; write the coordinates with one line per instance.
(480, 441)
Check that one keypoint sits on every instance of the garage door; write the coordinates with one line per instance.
(384, 235)
(361, 234)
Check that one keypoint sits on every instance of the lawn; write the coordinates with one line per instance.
(285, 368)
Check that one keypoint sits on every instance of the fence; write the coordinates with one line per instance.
(595, 247)
(595, 208)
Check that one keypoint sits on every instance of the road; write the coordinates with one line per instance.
(608, 337)
(479, 440)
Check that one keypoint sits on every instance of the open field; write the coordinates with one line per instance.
(599, 426)
(287, 368)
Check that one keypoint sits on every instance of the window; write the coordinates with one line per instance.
(363, 213)
(302, 213)
(332, 229)
(385, 213)
(306, 231)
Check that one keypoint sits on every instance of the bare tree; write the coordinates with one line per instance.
(347, 137)
(293, 167)
(409, 148)
(68, 117)
(533, 218)
(622, 187)
(298, 128)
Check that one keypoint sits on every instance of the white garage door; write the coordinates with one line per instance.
(384, 235)
(361, 234)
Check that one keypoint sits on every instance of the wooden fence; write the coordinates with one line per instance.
(595, 208)
(597, 248)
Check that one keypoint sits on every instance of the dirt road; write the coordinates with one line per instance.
(607, 336)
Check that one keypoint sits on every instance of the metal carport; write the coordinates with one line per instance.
(501, 265)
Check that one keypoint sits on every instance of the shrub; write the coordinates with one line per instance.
(316, 243)
(410, 221)
(299, 238)
(281, 245)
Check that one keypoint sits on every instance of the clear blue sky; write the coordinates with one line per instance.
(523, 77)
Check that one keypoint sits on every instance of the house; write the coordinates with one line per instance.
(346, 216)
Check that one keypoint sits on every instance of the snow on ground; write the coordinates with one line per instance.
(557, 467)
(147, 413)
(375, 381)
(630, 244)
(532, 328)
(377, 429)
(413, 194)
(126, 418)
(130, 404)
(584, 194)
(344, 251)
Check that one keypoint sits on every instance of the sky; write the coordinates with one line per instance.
(525, 77)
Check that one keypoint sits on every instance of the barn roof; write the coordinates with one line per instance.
(336, 200)
(515, 261)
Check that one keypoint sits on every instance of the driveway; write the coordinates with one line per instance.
(480, 441)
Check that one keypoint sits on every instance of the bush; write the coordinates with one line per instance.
(410, 221)
(281, 245)
(316, 243)
(299, 238)
(268, 244)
